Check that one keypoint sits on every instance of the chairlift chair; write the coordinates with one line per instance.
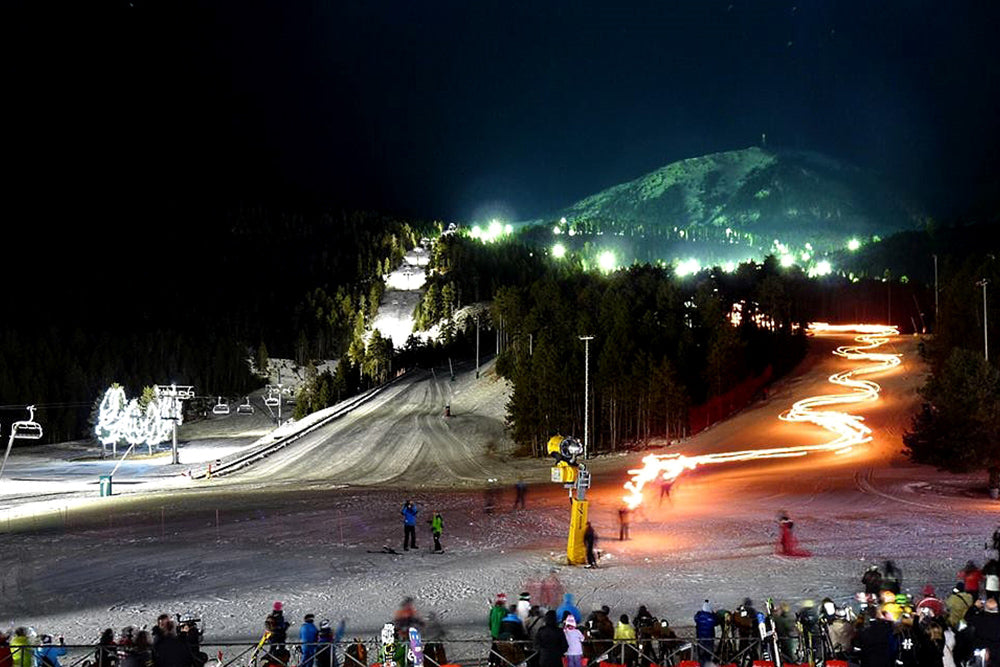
(221, 408)
(272, 401)
(28, 429)
(245, 408)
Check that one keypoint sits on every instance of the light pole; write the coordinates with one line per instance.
(586, 390)
(935, 294)
(986, 346)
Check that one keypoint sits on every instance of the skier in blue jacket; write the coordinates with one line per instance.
(409, 513)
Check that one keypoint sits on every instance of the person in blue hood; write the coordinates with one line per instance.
(409, 513)
(47, 655)
(705, 622)
(568, 606)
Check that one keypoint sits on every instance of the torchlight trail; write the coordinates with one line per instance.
(849, 429)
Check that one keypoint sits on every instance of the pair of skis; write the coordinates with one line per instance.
(769, 634)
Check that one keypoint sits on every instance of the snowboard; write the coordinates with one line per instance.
(416, 648)
(384, 550)
(388, 645)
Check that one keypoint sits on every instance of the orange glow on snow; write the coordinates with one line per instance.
(849, 429)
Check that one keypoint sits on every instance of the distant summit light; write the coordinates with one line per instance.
(559, 251)
(853, 245)
(606, 261)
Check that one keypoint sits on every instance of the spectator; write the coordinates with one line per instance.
(158, 630)
(626, 641)
(705, 622)
(308, 635)
(550, 642)
(929, 604)
(524, 606)
(872, 580)
(326, 643)
(276, 624)
(172, 650)
(106, 654)
(972, 577)
(497, 612)
(21, 650)
(957, 605)
(991, 578)
(437, 528)
(875, 644)
(140, 653)
(5, 659)
(47, 655)
(574, 643)
(624, 522)
(534, 622)
(892, 578)
(511, 627)
(520, 492)
(567, 607)
(985, 624)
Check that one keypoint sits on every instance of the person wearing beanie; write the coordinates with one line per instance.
(47, 655)
(550, 642)
(277, 626)
(705, 623)
(524, 606)
(624, 635)
(326, 643)
(308, 635)
(574, 643)
(497, 612)
(929, 604)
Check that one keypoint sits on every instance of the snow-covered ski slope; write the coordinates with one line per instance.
(299, 528)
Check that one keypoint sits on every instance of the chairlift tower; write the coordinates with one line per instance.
(177, 394)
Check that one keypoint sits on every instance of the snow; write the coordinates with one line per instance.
(299, 527)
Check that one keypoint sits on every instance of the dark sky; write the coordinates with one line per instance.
(449, 110)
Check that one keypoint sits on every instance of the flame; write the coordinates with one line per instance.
(849, 429)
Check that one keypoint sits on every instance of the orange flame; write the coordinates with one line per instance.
(849, 429)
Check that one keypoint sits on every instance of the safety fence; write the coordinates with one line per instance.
(672, 651)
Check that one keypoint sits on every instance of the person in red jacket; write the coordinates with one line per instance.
(972, 577)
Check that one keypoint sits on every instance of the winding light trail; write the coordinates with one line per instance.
(848, 428)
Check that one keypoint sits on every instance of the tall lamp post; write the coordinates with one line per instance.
(986, 346)
(586, 390)
(935, 294)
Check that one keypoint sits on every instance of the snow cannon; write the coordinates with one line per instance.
(564, 451)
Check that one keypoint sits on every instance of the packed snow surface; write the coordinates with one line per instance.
(301, 525)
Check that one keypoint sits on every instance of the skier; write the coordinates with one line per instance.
(665, 486)
(787, 544)
(276, 624)
(589, 540)
(624, 519)
(437, 527)
(308, 635)
(520, 492)
(409, 513)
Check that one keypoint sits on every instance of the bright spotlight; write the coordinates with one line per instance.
(687, 267)
(606, 261)
(853, 245)
(787, 261)
(556, 230)
(559, 251)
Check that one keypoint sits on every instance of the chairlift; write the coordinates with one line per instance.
(245, 408)
(272, 401)
(221, 408)
(28, 429)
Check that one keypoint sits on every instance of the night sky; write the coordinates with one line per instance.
(453, 111)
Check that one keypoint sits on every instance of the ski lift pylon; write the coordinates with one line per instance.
(221, 407)
(245, 408)
(28, 429)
